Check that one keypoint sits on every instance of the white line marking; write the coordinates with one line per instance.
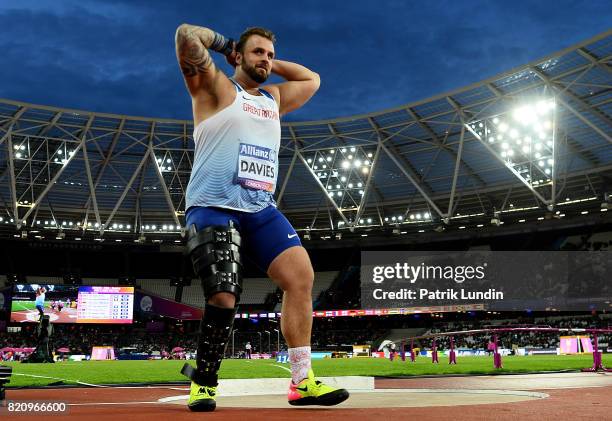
(173, 398)
(280, 366)
(57, 378)
(182, 389)
(113, 403)
(24, 308)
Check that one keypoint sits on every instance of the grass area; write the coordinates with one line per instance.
(107, 372)
(25, 305)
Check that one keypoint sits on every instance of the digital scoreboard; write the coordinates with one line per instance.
(105, 304)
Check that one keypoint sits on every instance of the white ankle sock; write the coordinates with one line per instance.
(300, 363)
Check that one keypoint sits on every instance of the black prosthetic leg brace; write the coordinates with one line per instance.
(215, 254)
(215, 329)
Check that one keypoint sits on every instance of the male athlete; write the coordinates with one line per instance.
(40, 301)
(231, 212)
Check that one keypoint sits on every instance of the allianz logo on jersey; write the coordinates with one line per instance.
(260, 112)
(257, 152)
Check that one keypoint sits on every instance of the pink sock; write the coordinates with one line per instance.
(300, 363)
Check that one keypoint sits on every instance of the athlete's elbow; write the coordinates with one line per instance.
(182, 33)
(181, 30)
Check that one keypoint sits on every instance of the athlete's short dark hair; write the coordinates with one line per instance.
(262, 32)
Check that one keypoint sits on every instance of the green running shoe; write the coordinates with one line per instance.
(313, 392)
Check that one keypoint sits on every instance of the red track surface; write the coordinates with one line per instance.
(574, 403)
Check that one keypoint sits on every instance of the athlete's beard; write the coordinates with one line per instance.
(253, 73)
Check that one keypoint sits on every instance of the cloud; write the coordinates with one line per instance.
(118, 57)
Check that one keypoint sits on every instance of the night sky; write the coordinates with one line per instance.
(118, 56)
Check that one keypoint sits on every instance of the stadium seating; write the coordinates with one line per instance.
(193, 295)
(322, 282)
(396, 335)
(159, 287)
(600, 241)
(255, 290)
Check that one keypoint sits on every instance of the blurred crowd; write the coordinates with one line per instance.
(172, 339)
(532, 339)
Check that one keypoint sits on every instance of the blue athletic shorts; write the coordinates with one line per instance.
(265, 234)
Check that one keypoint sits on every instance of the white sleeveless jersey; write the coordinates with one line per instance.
(236, 155)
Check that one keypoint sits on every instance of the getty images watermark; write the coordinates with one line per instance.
(503, 280)
(411, 274)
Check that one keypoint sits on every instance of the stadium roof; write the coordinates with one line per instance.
(437, 160)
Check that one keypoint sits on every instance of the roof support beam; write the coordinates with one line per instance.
(151, 154)
(92, 187)
(107, 159)
(409, 167)
(341, 138)
(321, 186)
(433, 135)
(125, 191)
(49, 186)
(593, 59)
(412, 180)
(449, 213)
(290, 170)
(575, 98)
(369, 182)
(11, 169)
(510, 168)
(11, 123)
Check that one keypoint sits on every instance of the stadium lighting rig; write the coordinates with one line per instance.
(524, 140)
(62, 155)
(164, 164)
(344, 173)
(20, 151)
(414, 217)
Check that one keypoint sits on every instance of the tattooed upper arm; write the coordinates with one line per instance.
(193, 56)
